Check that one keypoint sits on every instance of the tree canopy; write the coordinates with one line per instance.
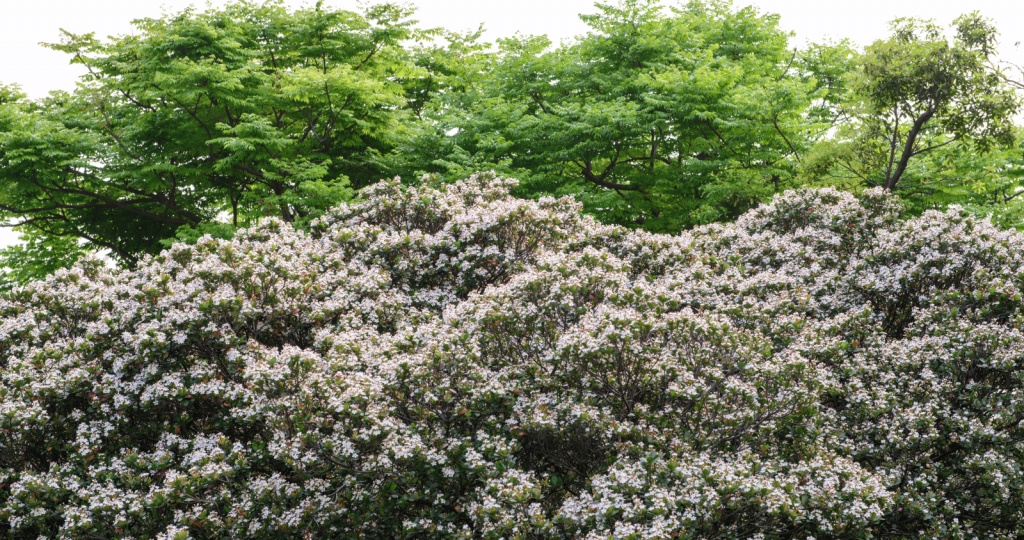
(920, 108)
(204, 121)
(660, 118)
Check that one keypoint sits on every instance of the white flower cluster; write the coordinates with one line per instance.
(453, 362)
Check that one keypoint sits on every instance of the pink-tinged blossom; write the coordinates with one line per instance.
(453, 362)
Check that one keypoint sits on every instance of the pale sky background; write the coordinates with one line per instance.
(25, 23)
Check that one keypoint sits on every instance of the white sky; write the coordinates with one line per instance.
(25, 23)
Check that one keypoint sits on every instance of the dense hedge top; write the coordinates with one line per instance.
(457, 363)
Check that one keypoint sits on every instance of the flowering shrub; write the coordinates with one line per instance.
(457, 363)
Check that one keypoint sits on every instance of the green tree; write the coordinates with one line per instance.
(205, 121)
(926, 116)
(442, 96)
(660, 118)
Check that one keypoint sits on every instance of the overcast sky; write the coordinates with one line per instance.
(26, 23)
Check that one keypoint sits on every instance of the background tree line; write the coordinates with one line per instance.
(662, 117)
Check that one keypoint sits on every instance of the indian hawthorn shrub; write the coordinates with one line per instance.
(453, 362)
